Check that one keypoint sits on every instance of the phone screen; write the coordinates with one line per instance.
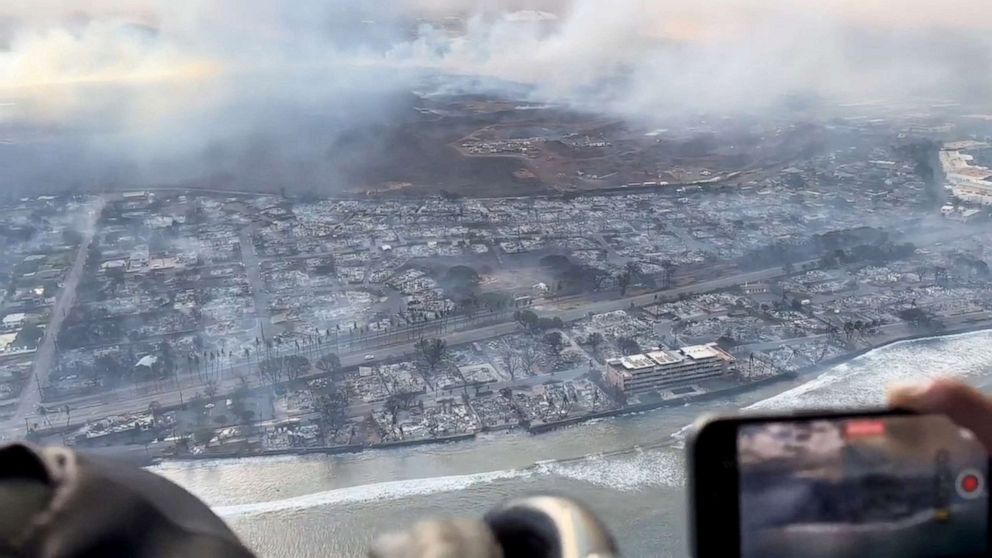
(900, 486)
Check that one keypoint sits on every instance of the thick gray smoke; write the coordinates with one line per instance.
(257, 94)
(229, 94)
(641, 57)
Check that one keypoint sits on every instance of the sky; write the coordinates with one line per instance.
(155, 90)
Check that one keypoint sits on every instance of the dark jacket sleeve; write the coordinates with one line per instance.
(75, 505)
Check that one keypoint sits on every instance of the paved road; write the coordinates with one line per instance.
(250, 259)
(137, 398)
(581, 310)
(45, 356)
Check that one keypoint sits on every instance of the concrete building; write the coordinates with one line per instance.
(12, 321)
(966, 181)
(974, 192)
(755, 288)
(662, 369)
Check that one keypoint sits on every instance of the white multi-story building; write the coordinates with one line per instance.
(663, 369)
(966, 181)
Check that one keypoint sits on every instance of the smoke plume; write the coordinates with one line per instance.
(253, 94)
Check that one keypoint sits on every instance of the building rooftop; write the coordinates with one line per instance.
(663, 357)
(14, 318)
(635, 362)
(6, 340)
(698, 352)
(147, 361)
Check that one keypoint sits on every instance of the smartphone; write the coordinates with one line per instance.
(814, 485)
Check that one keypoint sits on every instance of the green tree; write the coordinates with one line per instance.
(628, 346)
(296, 366)
(329, 362)
(29, 336)
(554, 341)
(526, 318)
(432, 351)
(595, 339)
(332, 406)
(202, 436)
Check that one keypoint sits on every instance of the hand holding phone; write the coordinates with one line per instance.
(960, 402)
(839, 484)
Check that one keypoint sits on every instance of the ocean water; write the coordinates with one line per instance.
(629, 469)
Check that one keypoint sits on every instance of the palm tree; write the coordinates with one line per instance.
(43, 413)
(595, 339)
(155, 410)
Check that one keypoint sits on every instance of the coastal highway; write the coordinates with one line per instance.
(172, 392)
(582, 309)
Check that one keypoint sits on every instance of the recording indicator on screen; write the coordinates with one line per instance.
(970, 484)
(864, 428)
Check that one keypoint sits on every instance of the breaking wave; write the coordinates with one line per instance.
(624, 470)
(862, 381)
(379, 491)
(627, 471)
(859, 382)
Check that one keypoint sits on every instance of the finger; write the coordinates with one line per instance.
(962, 403)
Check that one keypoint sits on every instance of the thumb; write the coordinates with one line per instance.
(960, 402)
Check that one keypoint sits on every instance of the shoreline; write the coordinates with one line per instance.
(951, 332)
(728, 390)
(139, 455)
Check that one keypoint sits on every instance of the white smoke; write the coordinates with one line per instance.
(640, 57)
(156, 91)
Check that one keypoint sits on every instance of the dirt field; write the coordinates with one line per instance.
(427, 145)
